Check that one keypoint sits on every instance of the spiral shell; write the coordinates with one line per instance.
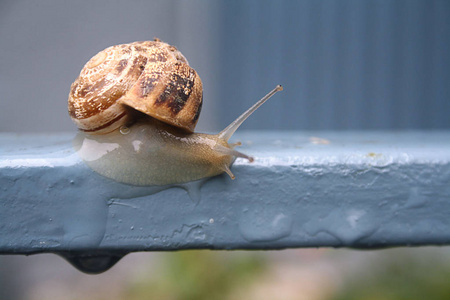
(152, 77)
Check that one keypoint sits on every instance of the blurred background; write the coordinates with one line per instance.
(345, 65)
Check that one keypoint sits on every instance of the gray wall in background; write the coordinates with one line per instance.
(344, 64)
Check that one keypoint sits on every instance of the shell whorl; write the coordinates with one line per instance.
(151, 77)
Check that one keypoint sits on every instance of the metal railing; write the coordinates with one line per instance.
(304, 189)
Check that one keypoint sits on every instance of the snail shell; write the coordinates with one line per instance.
(136, 106)
(151, 77)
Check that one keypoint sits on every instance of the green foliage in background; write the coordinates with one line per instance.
(401, 276)
(198, 275)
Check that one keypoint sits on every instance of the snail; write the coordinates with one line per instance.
(136, 106)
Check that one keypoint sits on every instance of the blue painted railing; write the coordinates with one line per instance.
(304, 189)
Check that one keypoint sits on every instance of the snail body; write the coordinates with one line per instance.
(153, 153)
(136, 106)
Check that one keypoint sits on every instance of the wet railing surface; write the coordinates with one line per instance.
(304, 189)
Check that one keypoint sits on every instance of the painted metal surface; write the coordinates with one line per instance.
(304, 189)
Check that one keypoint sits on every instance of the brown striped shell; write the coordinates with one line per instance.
(152, 77)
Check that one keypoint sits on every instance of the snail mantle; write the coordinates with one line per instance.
(304, 189)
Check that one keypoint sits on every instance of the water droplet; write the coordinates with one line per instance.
(92, 263)
(265, 226)
(124, 130)
(196, 233)
(347, 226)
